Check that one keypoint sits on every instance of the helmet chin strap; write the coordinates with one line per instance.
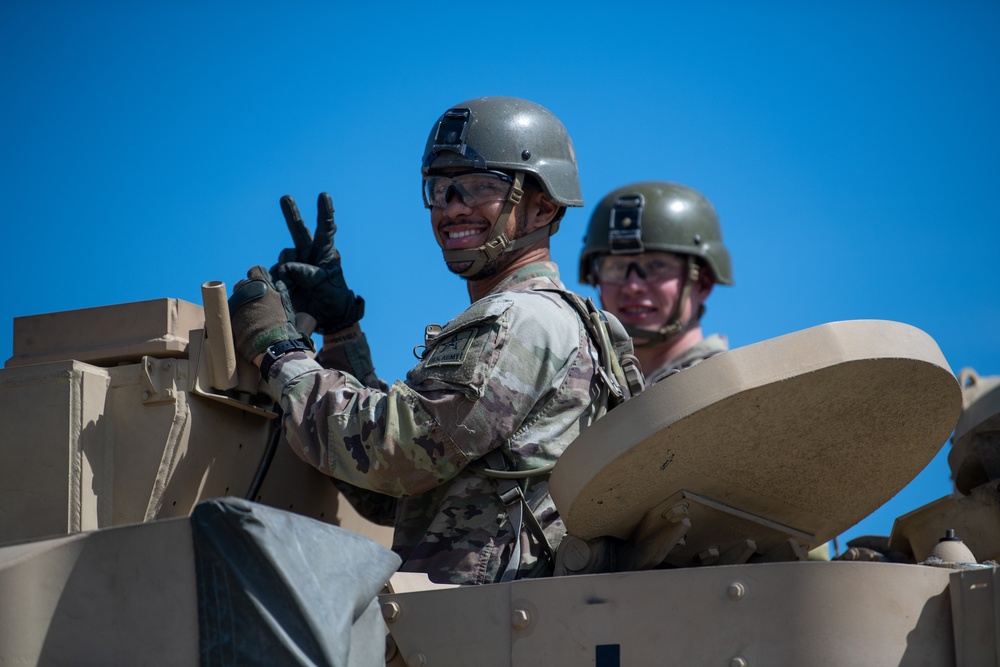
(674, 325)
(498, 242)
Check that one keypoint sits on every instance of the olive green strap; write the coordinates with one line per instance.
(621, 375)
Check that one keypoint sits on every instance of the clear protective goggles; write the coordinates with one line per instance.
(648, 266)
(474, 187)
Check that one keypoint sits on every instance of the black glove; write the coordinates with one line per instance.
(311, 270)
(261, 314)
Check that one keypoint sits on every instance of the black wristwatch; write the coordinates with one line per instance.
(277, 350)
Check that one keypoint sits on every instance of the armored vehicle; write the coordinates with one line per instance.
(151, 514)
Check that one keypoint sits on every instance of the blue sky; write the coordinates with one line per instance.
(853, 153)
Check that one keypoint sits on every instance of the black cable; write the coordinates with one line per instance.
(265, 462)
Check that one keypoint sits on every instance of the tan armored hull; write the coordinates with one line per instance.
(690, 510)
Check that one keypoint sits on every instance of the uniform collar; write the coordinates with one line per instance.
(537, 275)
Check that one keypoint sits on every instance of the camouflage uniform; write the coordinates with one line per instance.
(708, 347)
(478, 387)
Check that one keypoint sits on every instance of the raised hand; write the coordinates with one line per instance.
(311, 271)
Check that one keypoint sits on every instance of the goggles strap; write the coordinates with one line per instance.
(497, 241)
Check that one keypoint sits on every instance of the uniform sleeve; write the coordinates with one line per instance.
(475, 386)
(349, 352)
(354, 357)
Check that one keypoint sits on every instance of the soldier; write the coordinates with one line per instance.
(505, 386)
(654, 250)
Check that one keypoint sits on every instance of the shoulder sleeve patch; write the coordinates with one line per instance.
(461, 356)
(451, 351)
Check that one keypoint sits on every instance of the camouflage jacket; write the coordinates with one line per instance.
(708, 347)
(515, 371)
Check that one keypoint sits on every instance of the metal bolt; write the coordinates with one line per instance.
(736, 592)
(417, 659)
(675, 513)
(146, 395)
(708, 556)
(520, 619)
(525, 154)
(390, 611)
(738, 662)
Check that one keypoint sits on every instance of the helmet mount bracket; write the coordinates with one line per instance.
(450, 136)
(625, 225)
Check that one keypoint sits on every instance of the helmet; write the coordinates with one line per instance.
(655, 215)
(506, 133)
(512, 134)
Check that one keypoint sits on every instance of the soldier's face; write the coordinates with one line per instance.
(646, 302)
(458, 226)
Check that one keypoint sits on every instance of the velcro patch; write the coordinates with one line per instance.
(453, 350)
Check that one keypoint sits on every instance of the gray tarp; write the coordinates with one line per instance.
(276, 588)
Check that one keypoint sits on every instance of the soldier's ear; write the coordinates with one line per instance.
(704, 286)
(541, 210)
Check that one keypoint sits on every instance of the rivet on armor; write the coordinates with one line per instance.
(416, 659)
(736, 592)
(390, 611)
(525, 154)
(520, 619)
(697, 239)
(738, 662)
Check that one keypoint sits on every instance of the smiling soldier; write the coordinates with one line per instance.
(502, 388)
(654, 250)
